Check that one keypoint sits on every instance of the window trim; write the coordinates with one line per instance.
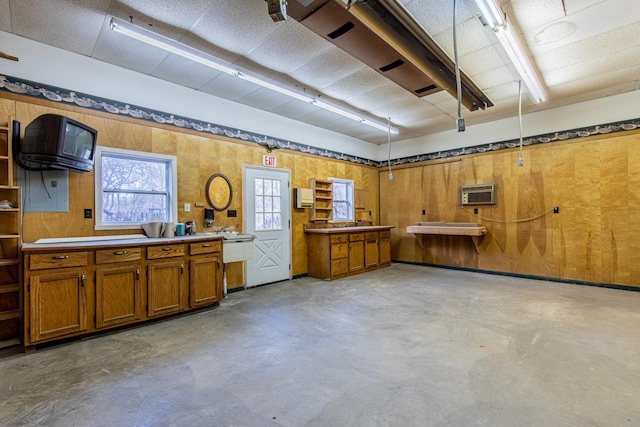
(351, 188)
(173, 185)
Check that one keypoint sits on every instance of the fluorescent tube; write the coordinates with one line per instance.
(496, 19)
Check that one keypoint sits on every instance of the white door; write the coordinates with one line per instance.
(267, 216)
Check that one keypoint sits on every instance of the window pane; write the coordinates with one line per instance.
(276, 188)
(277, 221)
(340, 210)
(268, 204)
(258, 185)
(268, 221)
(133, 207)
(339, 191)
(133, 174)
(259, 221)
(276, 204)
(259, 203)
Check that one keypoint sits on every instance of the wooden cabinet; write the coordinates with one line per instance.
(371, 249)
(356, 252)
(339, 254)
(165, 283)
(77, 289)
(333, 253)
(10, 241)
(119, 291)
(205, 273)
(58, 304)
(322, 210)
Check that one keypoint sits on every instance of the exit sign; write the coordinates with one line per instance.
(268, 160)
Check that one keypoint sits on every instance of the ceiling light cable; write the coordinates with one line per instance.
(389, 154)
(520, 159)
(460, 120)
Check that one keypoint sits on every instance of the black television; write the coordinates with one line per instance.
(53, 141)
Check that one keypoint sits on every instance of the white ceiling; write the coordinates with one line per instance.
(583, 50)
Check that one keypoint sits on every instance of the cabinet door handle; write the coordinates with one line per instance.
(82, 280)
(60, 257)
(120, 252)
(137, 274)
(166, 249)
(181, 268)
(206, 245)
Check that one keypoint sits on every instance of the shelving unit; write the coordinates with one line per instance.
(10, 242)
(322, 210)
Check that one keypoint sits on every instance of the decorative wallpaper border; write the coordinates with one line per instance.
(66, 96)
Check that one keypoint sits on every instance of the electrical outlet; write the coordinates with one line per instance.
(556, 209)
(424, 211)
(88, 213)
(54, 184)
(187, 207)
(232, 213)
(475, 211)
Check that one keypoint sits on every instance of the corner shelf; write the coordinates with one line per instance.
(10, 243)
(322, 210)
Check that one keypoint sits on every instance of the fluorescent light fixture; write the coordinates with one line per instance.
(169, 45)
(496, 19)
(177, 48)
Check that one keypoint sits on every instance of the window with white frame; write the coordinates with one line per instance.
(133, 187)
(343, 209)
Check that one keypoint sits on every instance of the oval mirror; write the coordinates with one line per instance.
(218, 191)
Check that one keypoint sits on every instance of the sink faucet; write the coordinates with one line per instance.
(226, 227)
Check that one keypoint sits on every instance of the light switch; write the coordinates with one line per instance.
(187, 207)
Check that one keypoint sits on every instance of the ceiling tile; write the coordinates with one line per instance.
(62, 24)
(265, 99)
(228, 87)
(471, 36)
(184, 72)
(289, 48)
(166, 18)
(593, 66)
(363, 80)
(334, 65)
(237, 26)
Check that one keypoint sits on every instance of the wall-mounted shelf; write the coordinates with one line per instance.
(10, 242)
(322, 210)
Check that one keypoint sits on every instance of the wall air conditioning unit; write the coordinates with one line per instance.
(478, 194)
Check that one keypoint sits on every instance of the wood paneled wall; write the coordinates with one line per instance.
(594, 181)
(198, 158)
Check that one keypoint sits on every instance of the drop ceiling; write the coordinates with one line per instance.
(583, 50)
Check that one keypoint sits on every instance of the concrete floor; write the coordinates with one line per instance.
(403, 346)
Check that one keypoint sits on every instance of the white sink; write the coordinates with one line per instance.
(237, 246)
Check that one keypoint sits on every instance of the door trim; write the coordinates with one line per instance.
(245, 215)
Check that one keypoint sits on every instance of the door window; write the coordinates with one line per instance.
(268, 208)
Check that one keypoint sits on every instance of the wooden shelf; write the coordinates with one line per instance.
(9, 288)
(322, 210)
(10, 293)
(9, 261)
(9, 314)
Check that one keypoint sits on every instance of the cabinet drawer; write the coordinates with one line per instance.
(107, 256)
(205, 247)
(339, 250)
(385, 234)
(339, 266)
(165, 251)
(371, 235)
(58, 260)
(356, 237)
(339, 238)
